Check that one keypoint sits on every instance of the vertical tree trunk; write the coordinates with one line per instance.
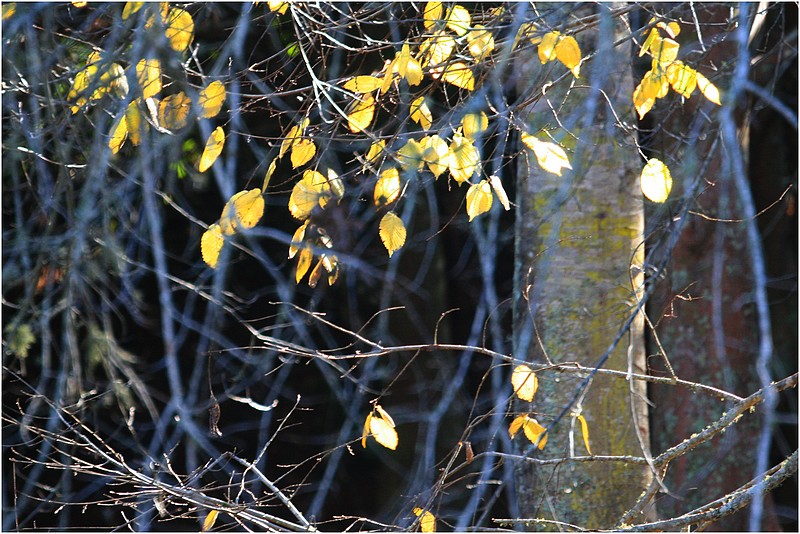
(577, 238)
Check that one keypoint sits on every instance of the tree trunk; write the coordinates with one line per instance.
(577, 238)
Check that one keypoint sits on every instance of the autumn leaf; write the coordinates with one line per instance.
(361, 114)
(460, 75)
(381, 427)
(211, 99)
(243, 210)
(179, 29)
(431, 14)
(312, 190)
(474, 124)
(148, 74)
(363, 84)
(173, 111)
(268, 175)
(336, 184)
(550, 156)
(585, 434)
(427, 521)
(531, 428)
(302, 152)
(664, 50)
(437, 49)
(212, 150)
(297, 239)
(565, 48)
(708, 89)
(497, 186)
(481, 42)
(134, 123)
(479, 199)
(208, 522)
(119, 133)
(294, 134)
(303, 263)
(464, 159)
(525, 382)
(682, 78)
(392, 232)
(410, 155)
(131, 8)
(279, 6)
(458, 19)
(211, 244)
(656, 180)
(420, 113)
(436, 153)
(375, 150)
(387, 188)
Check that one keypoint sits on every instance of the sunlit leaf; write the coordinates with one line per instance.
(79, 4)
(481, 42)
(526, 31)
(363, 84)
(385, 415)
(365, 432)
(479, 199)
(641, 101)
(550, 156)
(11, 7)
(243, 210)
(436, 154)
(534, 431)
(460, 75)
(392, 232)
(134, 123)
(336, 184)
(497, 186)
(211, 244)
(547, 46)
(279, 6)
(148, 74)
(585, 434)
(672, 29)
(569, 53)
(413, 72)
(437, 49)
(119, 133)
(388, 76)
(664, 50)
(173, 111)
(302, 151)
(682, 78)
(211, 99)
(114, 78)
(209, 521)
(387, 188)
(464, 159)
(421, 113)
(375, 150)
(474, 124)
(303, 263)
(131, 8)
(212, 150)
(362, 113)
(179, 29)
(297, 239)
(410, 155)
(312, 190)
(383, 432)
(401, 61)
(458, 19)
(316, 274)
(268, 175)
(656, 180)
(294, 134)
(516, 425)
(431, 14)
(708, 89)
(427, 521)
(651, 37)
(525, 382)
(331, 264)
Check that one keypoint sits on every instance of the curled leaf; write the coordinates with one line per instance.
(585, 434)
(708, 89)
(303, 263)
(497, 185)
(209, 521)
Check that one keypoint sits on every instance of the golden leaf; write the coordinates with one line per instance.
(458, 19)
(294, 133)
(268, 175)
(209, 521)
(279, 6)
(641, 101)
(431, 14)
(212, 150)
(336, 184)
(516, 424)
(421, 113)
(550, 156)
(479, 199)
(474, 124)
(9, 9)
(481, 42)
(375, 150)
(297, 239)
(651, 37)
(362, 113)
(460, 75)
(179, 29)
(243, 210)
(365, 432)
(437, 49)
(427, 521)
(134, 123)
(118, 134)
(525, 382)
(436, 154)
(388, 76)
(316, 274)
(148, 74)
(585, 434)
(656, 180)
(387, 188)
(211, 98)
(173, 111)
(131, 8)
(363, 84)
(464, 159)
(401, 61)
(303, 263)
(664, 51)
(547, 46)
(534, 431)
(497, 185)
(302, 151)
(682, 78)
(312, 190)
(385, 415)
(392, 232)
(383, 432)
(708, 89)
(413, 72)
(115, 80)
(211, 244)
(410, 155)
(569, 53)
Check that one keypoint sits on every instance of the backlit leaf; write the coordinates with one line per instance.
(302, 151)
(413, 72)
(131, 8)
(211, 99)
(268, 175)
(211, 244)
(516, 425)
(651, 37)
(585, 434)
(534, 431)
(316, 274)
(641, 101)
(134, 123)
(243, 210)
(497, 185)
(392, 232)
(297, 239)
(279, 6)
(179, 29)
(481, 42)
(209, 521)
(401, 61)
(550, 156)
(427, 521)
(362, 113)
(460, 75)
(407, 67)
(569, 53)
(148, 74)
(363, 84)
(365, 432)
(525, 382)
(383, 432)
(387, 188)
(682, 78)
(212, 150)
(388, 76)
(385, 415)
(312, 190)
(375, 150)
(464, 159)
(436, 154)
(474, 124)
(336, 184)
(410, 155)
(437, 49)
(656, 180)
(547, 46)
(118, 134)
(116, 81)
(708, 89)
(420, 113)
(431, 14)
(664, 50)
(173, 111)
(303, 263)
(479, 199)
(294, 134)
(458, 19)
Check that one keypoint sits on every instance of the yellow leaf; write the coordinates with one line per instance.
(79, 4)
(481, 42)
(297, 239)
(410, 155)
(278, 5)
(437, 49)
(148, 74)
(392, 232)
(294, 133)
(336, 184)
(497, 185)
(134, 123)
(316, 274)
(388, 76)
(474, 124)
(302, 151)
(179, 29)
(331, 264)
(9, 9)
(431, 14)
(641, 101)
(708, 89)
(585, 434)
(458, 19)
(427, 521)
(365, 432)
(550, 156)
(363, 84)
(526, 31)
(534, 431)
(516, 424)
(413, 72)
(682, 78)
(213, 149)
(656, 180)
(211, 244)
(547, 46)
(651, 37)
(375, 150)
(362, 114)
(664, 51)
(673, 29)
(479, 199)
(464, 159)
(401, 61)
(421, 113)
(383, 432)
(525, 382)
(385, 415)
(114, 78)
(268, 176)
(118, 134)
(436, 154)
(131, 8)
(211, 99)
(209, 521)
(303, 263)
(173, 111)
(312, 190)
(387, 188)
(243, 210)
(460, 75)
(569, 53)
